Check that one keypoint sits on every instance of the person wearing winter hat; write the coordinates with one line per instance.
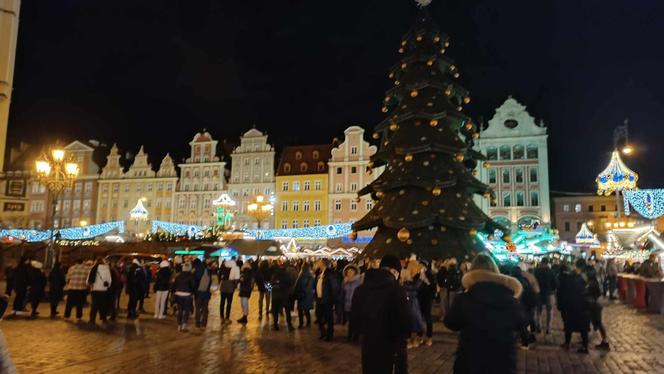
(383, 334)
(162, 285)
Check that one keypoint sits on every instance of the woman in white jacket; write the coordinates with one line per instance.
(100, 280)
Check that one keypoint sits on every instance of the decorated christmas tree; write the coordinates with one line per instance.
(424, 198)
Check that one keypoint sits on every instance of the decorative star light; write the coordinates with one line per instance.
(224, 200)
(585, 236)
(616, 177)
(139, 213)
(648, 203)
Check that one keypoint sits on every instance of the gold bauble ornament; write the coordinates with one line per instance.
(403, 234)
(448, 92)
(379, 194)
(436, 39)
(353, 236)
(433, 123)
(396, 83)
(400, 50)
(466, 100)
(456, 75)
(384, 109)
(408, 157)
(459, 157)
(394, 127)
(459, 108)
(419, 38)
(430, 62)
(442, 51)
(413, 93)
(476, 135)
(486, 165)
(391, 75)
(436, 191)
(376, 135)
(404, 42)
(486, 195)
(469, 126)
(472, 232)
(452, 67)
(447, 44)
(404, 65)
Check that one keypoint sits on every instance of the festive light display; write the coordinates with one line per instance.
(176, 228)
(616, 177)
(72, 233)
(139, 213)
(314, 232)
(648, 203)
(538, 241)
(585, 236)
(224, 200)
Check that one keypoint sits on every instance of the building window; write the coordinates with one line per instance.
(321, 166)
(517, 152)
(353, 169)
(591, 208)
(369, 204)
(340, 170)
(578, 226)
(36, 206)
(492, 203)
(577, 208)
(492, 176)
(519, 198)
(65, 205)
(86, 205)
(305, 223)
(284, 206)
(506, 175)
(298, 155)
(287, 168)
(566, 226)
(316, 155)
(317, 205)
(518, 175)
(534, 198)
(284, 224)
(305, 206)
(353, 150)
(337, 205)
(531, 151)
(296, 206)
(566, 208)
(338, 187)
(317, 222)
(257, 161)
(295, 223)
(492, 153)
(353, 187)
(284, 186)
(317, 185)
(505, 152)
(507, 199)
(533, 175)
(181, 203)
(353, 206)
(307, 185)
(303, 167)
(77, 187)
(125, 203)
(246, 161)
(77, 205)
(602, 208)
(296, 186)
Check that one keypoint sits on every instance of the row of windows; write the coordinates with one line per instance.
(38, 188)
(306, 186)
(203, 187)
(306, 206)
(506, 175)
(139, 187)
(206, 173)
(304, 167)
(591, 208)
(518, 152)
(519, 199)
(353, 170)
(147, 203)
(296, 223)
(339, 187)
(353, 205)
(66, 206)
(246, 179)
(246, 192)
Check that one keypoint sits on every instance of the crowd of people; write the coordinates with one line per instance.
(386, 304)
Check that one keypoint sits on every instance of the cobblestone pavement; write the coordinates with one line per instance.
(147, 345)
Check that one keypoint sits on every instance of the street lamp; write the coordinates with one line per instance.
(259, 208)
(57, 172)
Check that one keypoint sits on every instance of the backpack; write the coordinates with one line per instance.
(204, 284)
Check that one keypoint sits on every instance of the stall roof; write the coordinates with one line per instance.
(255, 247)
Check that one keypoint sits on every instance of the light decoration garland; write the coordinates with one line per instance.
(585, 236)
(648, 203)
(72, 233)
(139, 213)
(177, 228)
(314, 232)
(616, 177)
(539, 241)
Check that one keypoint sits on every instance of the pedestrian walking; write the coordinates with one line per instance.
(56, 286)
(77, 288)
(21, 282)
(453, 277)
(593, 292)
(327, 292)
(352, 280)
(411, 282)
(9, 279)
(99, 280)
(573, 305)
(548, 284)
(246, 286)
(612, 277)
(134, 288)
(305, 290)
(281, 289)
(425, 295)
(528, 302)
(37, 287)
(184, 287)
(380, 312)
(441, 277)
(203, 278)
(229, 275)
(487, 315)
(162, 286)
(115, 292)
(263, 278)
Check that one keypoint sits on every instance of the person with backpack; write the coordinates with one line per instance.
(203, 278)
(99, 279)
(425, 296)
(246, 286)
(162, 285)
(548, 284)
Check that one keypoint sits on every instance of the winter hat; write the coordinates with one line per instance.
(186, 267)
(391, 262)
(136, 261)
(164, 264)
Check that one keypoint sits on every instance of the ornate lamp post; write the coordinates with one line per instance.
(56, 171)
(617, 177)
(259, 208)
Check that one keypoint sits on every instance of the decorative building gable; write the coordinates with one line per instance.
(113, 169)
(512, 120)
(141, 168)
(167, 168)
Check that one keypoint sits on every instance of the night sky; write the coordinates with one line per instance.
(154, 72)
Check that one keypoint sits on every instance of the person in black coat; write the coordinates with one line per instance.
(135, 290)
(21, 284)
(56, 286)
(281, 288)
(488, 314)
(328, 289)
(263, 278)
(37, 287)
(548, 286)
(380, 314)
(573, 304)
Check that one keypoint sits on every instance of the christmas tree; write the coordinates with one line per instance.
(424, 198)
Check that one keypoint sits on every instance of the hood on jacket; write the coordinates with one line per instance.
(378, 278)
(483, 276)
(351, 266)
(164, 264)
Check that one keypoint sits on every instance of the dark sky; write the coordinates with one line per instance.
(154, 72)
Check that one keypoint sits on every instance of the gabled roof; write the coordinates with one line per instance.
(304, 159)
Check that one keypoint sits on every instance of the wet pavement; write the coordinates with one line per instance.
(148, 345)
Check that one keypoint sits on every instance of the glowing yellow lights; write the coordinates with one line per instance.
(616, 177)
(394, 127)
(466, 100)
(43, 167)
(71, 169)
(486, 165)
(419, 38)
(472, 232)
(413, 93)
(403, 234)
(376, 136)
(430, 62)
(408, 157)
(452, 67)
(436, 39)
(627, 150)
(404, 65)
(383, 109)
(436, 191)
(58, 154)
(433, 123)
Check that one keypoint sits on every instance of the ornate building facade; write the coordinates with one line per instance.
(252, 173)
(202, 179)
(120, 191)
(517, 152)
